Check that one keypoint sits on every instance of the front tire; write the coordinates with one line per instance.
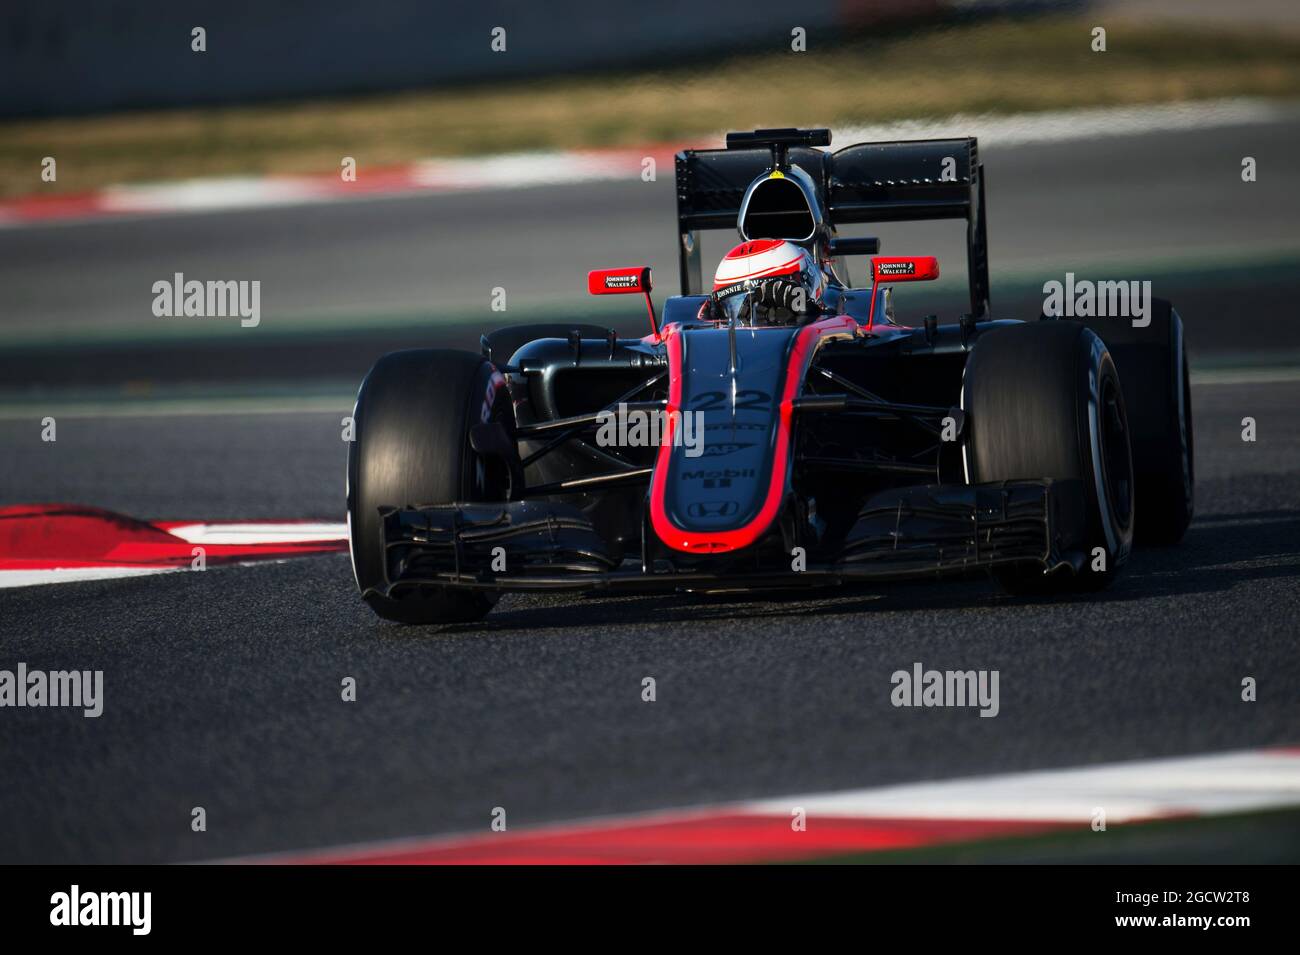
(411, 448)
(1045, 401)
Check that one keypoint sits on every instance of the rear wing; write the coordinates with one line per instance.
(870, 182)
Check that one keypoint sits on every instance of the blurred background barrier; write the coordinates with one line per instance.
(83, 56)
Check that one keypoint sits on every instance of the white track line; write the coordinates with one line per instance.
(68, 575)
(1201, 786)
(1061, 126)
(255, 533)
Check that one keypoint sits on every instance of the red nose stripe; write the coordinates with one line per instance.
(805, 346)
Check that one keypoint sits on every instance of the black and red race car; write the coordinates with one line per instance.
(799, 433)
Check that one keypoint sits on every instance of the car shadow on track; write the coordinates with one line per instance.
(1219, 552)
(595, 611)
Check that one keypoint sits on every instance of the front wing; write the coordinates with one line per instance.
(903, 533)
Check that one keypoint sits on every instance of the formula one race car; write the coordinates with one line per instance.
(781, 429)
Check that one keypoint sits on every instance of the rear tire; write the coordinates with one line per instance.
(411, 448)
(1152, 364)
(1045, 401)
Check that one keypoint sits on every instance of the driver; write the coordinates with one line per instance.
(767, 282)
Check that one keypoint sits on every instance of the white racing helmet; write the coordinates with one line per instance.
(746, 268)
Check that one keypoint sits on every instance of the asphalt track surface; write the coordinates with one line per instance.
(222, 688)
(343, 283)
(1129, 199)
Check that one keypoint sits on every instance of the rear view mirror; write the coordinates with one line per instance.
(855, 245)
(624, 281)
(914, 268)
(899, 268)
